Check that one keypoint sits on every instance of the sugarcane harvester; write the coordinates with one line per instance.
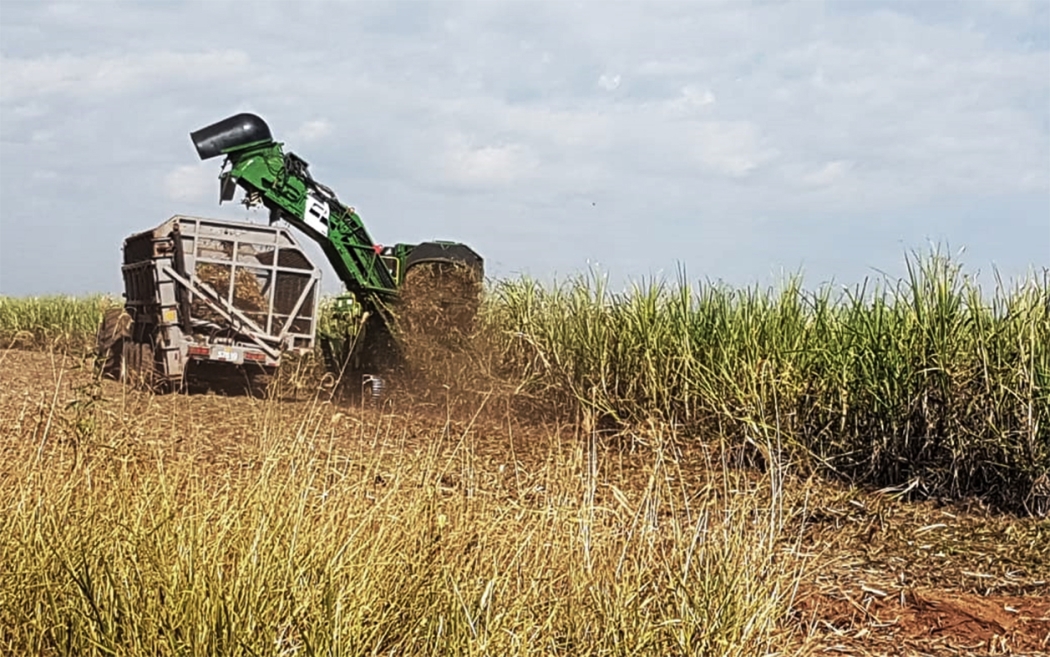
(372, 274)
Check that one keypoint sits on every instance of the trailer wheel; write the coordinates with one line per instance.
(109, 342)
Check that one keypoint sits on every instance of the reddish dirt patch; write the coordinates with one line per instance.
(927, 621)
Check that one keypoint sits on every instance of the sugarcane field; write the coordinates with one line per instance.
(525, 328)
(664, 472)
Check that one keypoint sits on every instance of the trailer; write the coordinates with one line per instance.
(207, 295)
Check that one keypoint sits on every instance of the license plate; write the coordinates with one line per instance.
(228, 355)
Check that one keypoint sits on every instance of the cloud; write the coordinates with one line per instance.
(609, 82)
(486, 166)
(828, 174)
(692, 100)
(730, 148)
(191, 183)
(681, 122)
(108, 74)
(313, 131)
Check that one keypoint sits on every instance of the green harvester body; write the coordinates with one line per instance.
(281, 182)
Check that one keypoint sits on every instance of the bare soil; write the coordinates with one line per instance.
(927, 622)
(884, 576)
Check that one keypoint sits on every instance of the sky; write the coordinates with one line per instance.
(739, 141)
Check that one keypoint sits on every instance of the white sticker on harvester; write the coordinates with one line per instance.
(316, 215)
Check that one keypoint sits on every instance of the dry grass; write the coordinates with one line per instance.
(169, 525)
(461, 519)
(223, 525)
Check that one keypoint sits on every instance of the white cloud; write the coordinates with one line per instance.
(609, 82)
(693, 116)
(192, 182)
(486, 166)
(692, 99)
(312, 131)
(102, 74)
(730, 148)
(1017, 8)
(828, 174)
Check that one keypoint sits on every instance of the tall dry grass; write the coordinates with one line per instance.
(129, 529)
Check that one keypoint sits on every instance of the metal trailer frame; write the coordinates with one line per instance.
(183, 315)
